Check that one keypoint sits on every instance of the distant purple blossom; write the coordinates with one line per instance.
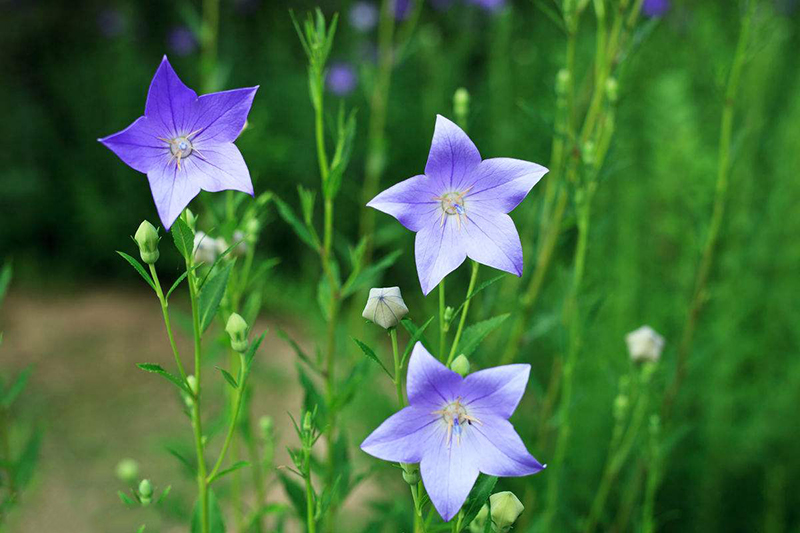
(184, 143)
(111, 22)
(363, 16)
(181, 41)
(401, 9)
(655, 8)
(459, 207)
(489, 5)
(341, 79)
(456, 428)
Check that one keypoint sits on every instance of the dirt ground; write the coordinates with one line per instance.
(96, 407)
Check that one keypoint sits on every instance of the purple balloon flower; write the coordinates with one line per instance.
(655, 8)
(341, 79)
(456, 428)
(185, 143)
(459, 207)
(182, 41)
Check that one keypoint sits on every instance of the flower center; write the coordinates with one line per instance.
(180, 147)
(456, 416)
(452, 203)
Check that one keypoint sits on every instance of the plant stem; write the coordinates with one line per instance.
(472, 280)
(398, 378)
(237, 405)
(717, 215)
(168, 323)
(310, 520)
(442, 325)
(208, 40)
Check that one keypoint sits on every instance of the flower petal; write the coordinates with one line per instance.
(439, 249)
(412, 202)
(503, 183)
(219, 167)
(495, 391)
(138, 145)
(502, 452)
(172, 190)
(429, 383)
(449, 470)
(453, 156)
(492, 239)
(220, 117)
(402, 437)
(170, 103)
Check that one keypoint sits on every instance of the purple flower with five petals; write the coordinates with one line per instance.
(184, 143)
(459, 207)
(455, 428)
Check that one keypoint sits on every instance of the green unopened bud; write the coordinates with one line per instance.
(266, 424)
(562, 82)
(478, 524)
(127, 470)
(237, 329)
(448, 313)
(612, 89)
(147, 238)
(192, 381)
(506, 508)
(307, 422)
(621, 403)
(460, 365)
(191, 220)
(461, 105)
(145, 491)
(588, 152)
(411, 474)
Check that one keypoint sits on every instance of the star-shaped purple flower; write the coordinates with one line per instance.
(459, 207)
(185, 143)
(456, 428)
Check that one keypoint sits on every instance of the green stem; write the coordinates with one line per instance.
(237, 405)
(472, 280)
(310, 511)
(168, 323)
(398, 378)
(717, 215)
(208, 39)
(442, 325)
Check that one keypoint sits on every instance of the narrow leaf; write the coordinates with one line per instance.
(16, 387)
(183, 236)
(371, 354)
(475, 334)
(295, 493)
(416, 336)
(26, 464)
(139, 268)
(156, 369)
(370, 274)
(297, 350)
(178, 282)
(474, 293)
(5, 280)
(211, 295)
(232, 468)
(183, 459)
(215, 520)
(163, 495)
(296, 224)
(127, 500)
(228, 378)
(477, 497)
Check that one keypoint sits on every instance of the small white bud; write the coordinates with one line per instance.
(385, 307)
(644, 344)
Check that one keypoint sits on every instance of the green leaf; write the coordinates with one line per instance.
(371, 354)
(127, 500)
(232, 468)
(16, 387)
(416, 336)
(190, 466)
(183, 236)
(215, 520)
(164, 494)
(178, 282)
(156, 369)
(250, 354)
(26, 464)
(296, 494)
(300, 229)
(325, 297)
(139, 268)
(352, 384)
(5, 280)
(217, 261)
(477, 497)
(211, 295)
(228, 378)
(141, 529)
(475, 334)
(341, 157)
(369, 275)
(474, 293)
(297, 350)
(312, 397)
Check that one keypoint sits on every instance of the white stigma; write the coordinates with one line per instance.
(453, 204)
(181, 147)
(455, 415)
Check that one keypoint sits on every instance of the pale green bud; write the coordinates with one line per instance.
(478, 524)
(506, 508)
(385, 307)
(448, 313)
(460, 365)
(562, 81)
(411, 474)
(307, 423)
(192, 381)
(266, 424)
(461, 104)
(145, 491)
(612, 89)
(237, 329)
(127, 470)
(147, 238)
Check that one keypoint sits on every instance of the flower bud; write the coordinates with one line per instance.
(461, 104)
(307, 425)
(612, 90)
(411, 474)
(145, 491)
(448, 313)
(266, 424)
(506, 508)
(385, 307)
(562, 82)
(127, 470)
(588, 152)
(147, 238)
(478, 524)
(644, 344)
(460, 365)
(192, 381)
(237, 329)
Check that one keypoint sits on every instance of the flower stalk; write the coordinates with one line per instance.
(472, 280)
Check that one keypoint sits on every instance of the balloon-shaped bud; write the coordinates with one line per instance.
(145, 491)
(147, 238)
(506, 508)
(237, 329)
(385, 307)
(644, 344)
(460, 365)
(411, 474)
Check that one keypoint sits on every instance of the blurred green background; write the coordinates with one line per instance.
(76, 71)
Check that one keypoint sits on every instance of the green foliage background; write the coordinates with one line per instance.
(732, 464)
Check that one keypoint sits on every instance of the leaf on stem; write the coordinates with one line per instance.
(369, 275)
(127, 500)
(295, 492)
(297, 350)
(183, 236)
(231, 381)
(215, 520)
(305, 233)
(475, 334)
(232, 468)
(16, 387)
(417, 335)
(474, 293)
(211, 295)
(139, 268)
(477, 497)
(157, 369)
(369, 352)
(5, 279)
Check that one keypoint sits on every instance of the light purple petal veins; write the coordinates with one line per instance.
(459, 207)
(184, 143)
(456, 428)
